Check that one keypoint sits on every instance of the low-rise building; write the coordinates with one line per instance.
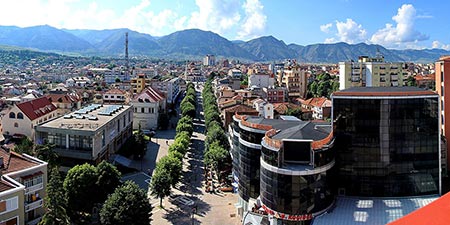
(114, 96)
(90, 134)
(147, 107)
(64, 102)
(22, 118)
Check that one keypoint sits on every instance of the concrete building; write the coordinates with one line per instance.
(22, 188)
(90, 134)
(265, 109)
(80, 82)
(294, 78)
(65, 102)
(320, 107)
(209, 60)
(442, 76)
(114, 96)
(275, 94)
(147, 106)
(260, 80)
(22, 118)
(139, 82)
(371, 72)
(111, 76)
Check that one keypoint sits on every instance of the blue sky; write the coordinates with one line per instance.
(393, 24)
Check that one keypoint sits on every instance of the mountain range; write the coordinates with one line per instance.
(195, 44)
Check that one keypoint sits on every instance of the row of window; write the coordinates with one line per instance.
(143, 110)
(12, 115)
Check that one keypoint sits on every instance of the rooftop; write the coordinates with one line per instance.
(13, 161)
(383, 91)
(373, 211)
(89, 118)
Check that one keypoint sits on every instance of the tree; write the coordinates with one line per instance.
(117, 80)
(163, 121)
(55, 202)
(81, 189)
(216, 155)
(108, 179)
(411, 81)
(297, 112)
(216, 133)
(173, 166)
(139, 138)
(24, 147)
(188, 109)
(160, 185)
(127, 205)
(183, 126)
(46, 153)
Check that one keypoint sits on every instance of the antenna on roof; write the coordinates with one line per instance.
(126, 53)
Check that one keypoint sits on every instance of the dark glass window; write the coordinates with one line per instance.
(297, 151)
(387, 147)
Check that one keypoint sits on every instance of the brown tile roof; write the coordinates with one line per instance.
(282, 108)
(36, 108)
(317, 102)
(4, 186)
(13, 161)
(115, 91)
(63, 98)
(240, 108)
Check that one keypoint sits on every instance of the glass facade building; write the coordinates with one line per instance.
(285, 164)
(387, 142)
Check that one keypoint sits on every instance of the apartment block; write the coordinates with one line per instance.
(371, 72)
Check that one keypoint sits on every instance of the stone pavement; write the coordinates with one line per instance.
(210, 209)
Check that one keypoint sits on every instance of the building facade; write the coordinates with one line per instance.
(295, 79)
(442, 75)
(371, 72)
(147, 107)
(286, 164)
(387, 142)
(22, 118)
(22, 188)
(260, 80)
(90, 134)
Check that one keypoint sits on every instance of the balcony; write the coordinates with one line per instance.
(33, 205)
(34, 221)
(34, 188)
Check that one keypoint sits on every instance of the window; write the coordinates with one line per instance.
(12, 115)
(103, 138)
(16, 124)
(142, 110)
(118, 125)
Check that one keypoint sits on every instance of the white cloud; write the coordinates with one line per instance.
(437, 44)
(403, 32)
(214, 15)
(330, 40)
(255, 20)
(350, 31)
(326, 27)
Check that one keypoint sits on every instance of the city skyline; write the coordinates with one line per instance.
(398, 25)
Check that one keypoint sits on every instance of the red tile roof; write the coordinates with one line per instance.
(317, 102)
(150, 94)
(36, 108)
(435, 213)
(63, 98)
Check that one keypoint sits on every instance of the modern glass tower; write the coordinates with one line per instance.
(387, 141)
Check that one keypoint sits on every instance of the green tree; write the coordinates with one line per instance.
(173, 166)
(139, 138)
(24, 147)
(160, 185)
(163, 121)
(46, 153)
(216, 155)
(184, 126)
(411, 81)
(108, 179)
(297, 112)
(80, 189)
(55, 203)
(188, 109)
(127, 205)
(216, 133)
